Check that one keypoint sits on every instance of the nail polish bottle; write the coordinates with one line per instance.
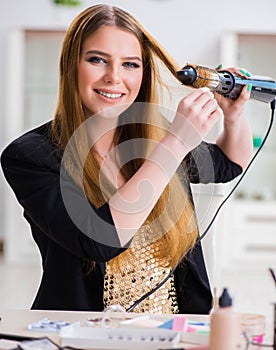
(225, 325)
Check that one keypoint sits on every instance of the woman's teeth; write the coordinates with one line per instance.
(109, 95)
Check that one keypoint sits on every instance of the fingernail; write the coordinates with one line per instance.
(245, 72)
(249, 87)
(219, 66)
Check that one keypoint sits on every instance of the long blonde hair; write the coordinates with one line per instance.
(180, 230)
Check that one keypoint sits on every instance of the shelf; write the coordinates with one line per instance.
(249, 227)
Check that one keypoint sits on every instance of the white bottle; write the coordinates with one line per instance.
(225, 325)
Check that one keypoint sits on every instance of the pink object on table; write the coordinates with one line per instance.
(180, 323)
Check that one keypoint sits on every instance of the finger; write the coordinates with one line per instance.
(205, 96)
(212, 119)
(245, 72)
(245, 93)
(242, 72)
(217, 113)
(215, 116)
(194, 101)
(210, 106)
(197, 93)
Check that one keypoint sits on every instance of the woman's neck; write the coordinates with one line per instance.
(104, 145)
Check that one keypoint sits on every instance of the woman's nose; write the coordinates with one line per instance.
(112, 75)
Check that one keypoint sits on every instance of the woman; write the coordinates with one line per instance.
(105, 185)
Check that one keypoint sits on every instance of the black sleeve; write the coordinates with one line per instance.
(208, 164)
(33, 171)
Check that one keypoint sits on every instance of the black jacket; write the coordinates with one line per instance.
(31, 165)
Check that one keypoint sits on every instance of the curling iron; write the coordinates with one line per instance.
(226, 83)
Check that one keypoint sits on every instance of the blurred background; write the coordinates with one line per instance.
(241, 244)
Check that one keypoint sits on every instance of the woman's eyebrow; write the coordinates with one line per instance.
(97, 52)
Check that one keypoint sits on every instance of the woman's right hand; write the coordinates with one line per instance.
(196, 115)
(134, 200)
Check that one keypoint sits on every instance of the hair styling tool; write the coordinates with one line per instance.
(227, 83)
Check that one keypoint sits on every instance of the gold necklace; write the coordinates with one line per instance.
(102, 156)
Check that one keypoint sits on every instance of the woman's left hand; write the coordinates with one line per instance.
(235, 139)
(234, 109)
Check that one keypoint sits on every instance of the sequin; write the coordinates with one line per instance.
(140, 276)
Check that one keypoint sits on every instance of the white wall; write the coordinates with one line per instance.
(189, 30)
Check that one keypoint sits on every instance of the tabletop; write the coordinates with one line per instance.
(14, 323)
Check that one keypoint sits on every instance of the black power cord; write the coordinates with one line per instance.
(153, 290)
(244, 173)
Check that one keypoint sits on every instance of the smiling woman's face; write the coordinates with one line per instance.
(110, 69)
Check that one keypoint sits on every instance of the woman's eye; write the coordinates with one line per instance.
(131, 65)
(96, 59)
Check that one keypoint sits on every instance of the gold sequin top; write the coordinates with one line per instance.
(139, 276)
